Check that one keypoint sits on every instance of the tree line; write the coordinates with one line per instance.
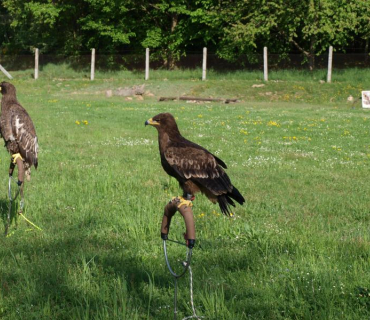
(170, 28)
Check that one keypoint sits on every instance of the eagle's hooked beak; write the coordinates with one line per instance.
(151, 122)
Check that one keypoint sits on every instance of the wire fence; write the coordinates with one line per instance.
(136, 62)
(67, 66)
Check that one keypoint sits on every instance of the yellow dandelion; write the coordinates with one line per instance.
(85, 122)
(78, 122)
(200, 116)
(273, 124)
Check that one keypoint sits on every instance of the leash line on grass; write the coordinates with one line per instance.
(30, 222)
(11, 200)
(186, 265)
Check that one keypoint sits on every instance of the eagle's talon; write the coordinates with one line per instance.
(16, 156)
(183, 202)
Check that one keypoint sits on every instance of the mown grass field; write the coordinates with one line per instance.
(295, 148)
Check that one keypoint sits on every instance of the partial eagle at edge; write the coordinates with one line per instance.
(195, 168)
(17, 128)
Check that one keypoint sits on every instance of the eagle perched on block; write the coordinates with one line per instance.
(195, 168)
(17, 130)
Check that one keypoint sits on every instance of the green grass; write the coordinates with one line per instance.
(298, 249)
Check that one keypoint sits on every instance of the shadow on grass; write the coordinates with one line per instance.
(75, 271)
(4, 212)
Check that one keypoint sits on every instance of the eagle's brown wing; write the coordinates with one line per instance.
(17, 129)
(196, 169)
(200, 166)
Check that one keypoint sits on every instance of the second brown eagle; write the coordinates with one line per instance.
(17, 130)
(195, 168)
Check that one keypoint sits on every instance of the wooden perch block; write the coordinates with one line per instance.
(197, 99)
(167, 98)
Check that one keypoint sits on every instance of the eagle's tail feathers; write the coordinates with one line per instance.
(235, 194)
(225, 201)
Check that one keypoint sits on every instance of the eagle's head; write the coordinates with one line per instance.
(163, 122)
(7, 88)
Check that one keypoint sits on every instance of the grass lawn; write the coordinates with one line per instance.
(295, 148)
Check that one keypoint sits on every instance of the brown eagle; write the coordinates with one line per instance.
(17, 129)
(195, 168)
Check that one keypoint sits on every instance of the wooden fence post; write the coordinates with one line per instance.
(147, 64)
(92, 76)
(204, 67)
(265, 64)
(36, 64)
(330, 64)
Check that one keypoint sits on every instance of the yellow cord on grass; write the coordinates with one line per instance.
(30, 222)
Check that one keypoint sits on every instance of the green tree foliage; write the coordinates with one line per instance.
(173, 27)
(168, 23)
(108, 24)
(285, 25)
(363, 29)
(32, 23)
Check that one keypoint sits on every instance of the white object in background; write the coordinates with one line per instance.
(365, 99)
(92, 74)
(36, 63)
(2, 69)
(204, 65)
(147, 56)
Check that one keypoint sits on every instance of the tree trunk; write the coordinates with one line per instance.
(170, 61)
(311, 57)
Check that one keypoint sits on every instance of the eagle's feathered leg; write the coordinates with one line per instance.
(27, 170)
(184, 207)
